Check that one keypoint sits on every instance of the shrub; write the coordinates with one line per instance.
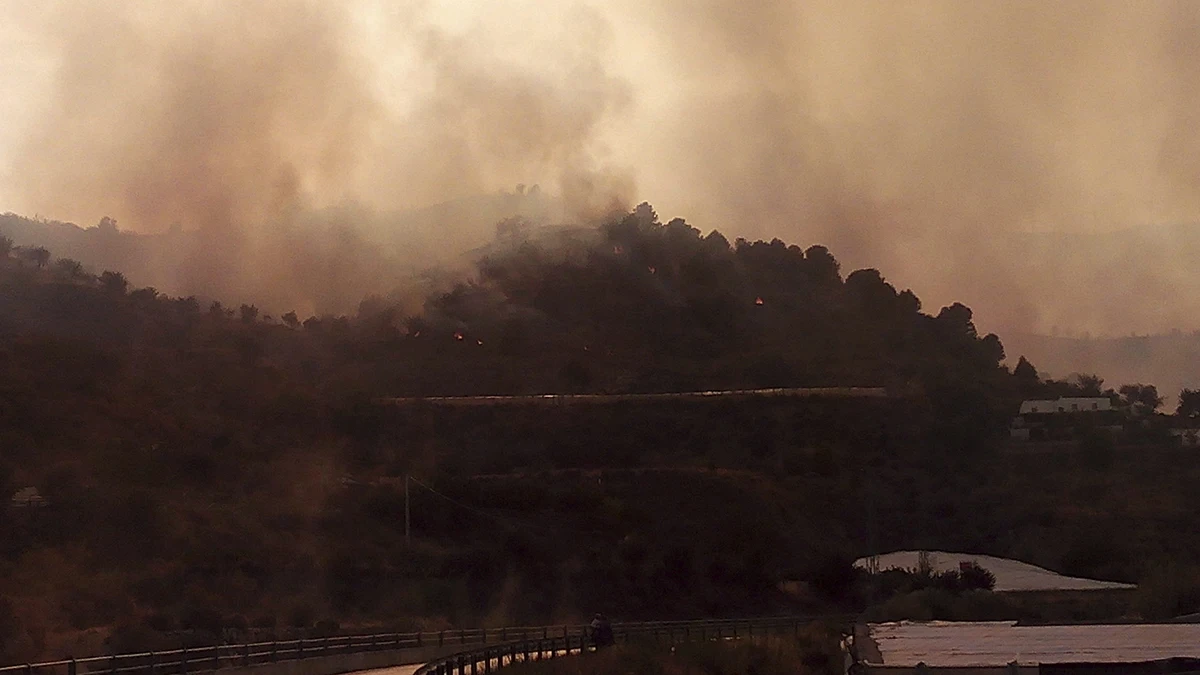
(975, 577)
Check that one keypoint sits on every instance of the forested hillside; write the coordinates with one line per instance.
(212, 471)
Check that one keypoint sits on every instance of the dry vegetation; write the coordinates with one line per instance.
(213, 473)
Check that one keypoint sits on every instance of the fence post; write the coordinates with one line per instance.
(153, 664)
(300, 649)
(441, 638)
(182, 660)
(28, 669)
(112, 664)
(487, 662)
(274, 651)
(483, 635)
(216, 657)
(72, 667)
(246, 655)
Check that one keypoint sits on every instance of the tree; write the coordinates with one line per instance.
(1141, 399)
(69, 269)
(958, 319)
(1089, 385)
(291, 320)
(114, 282)
(1189, 403)
(37, 255)
(822, 266)
(144, 295)
(249, 313)
(6, 246)
(976, 577)
(107, 225)
(1026, 376)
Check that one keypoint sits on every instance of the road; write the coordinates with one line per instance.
(394, 670)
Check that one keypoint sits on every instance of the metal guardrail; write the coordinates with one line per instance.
(564, 399)
(195, 660)
(483, 660)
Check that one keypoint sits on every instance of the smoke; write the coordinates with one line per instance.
(940, 140)
(1016, 155)
(244, 122)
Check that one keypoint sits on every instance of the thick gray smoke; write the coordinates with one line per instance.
(941, 140)
(980, 151)
(240, 122)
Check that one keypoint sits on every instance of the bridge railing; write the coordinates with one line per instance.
(196, 660)
(483, 660)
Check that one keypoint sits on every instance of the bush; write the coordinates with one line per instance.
(975, 577)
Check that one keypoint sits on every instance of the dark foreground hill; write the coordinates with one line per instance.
(210, 472)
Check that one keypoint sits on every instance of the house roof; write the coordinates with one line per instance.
(998, 643)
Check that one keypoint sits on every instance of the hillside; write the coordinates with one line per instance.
(210, 471)
(322, 261)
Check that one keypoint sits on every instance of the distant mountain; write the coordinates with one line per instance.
(321, 261)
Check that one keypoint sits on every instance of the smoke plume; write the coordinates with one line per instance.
(241, 123)
(1021, 156)
(944, 141)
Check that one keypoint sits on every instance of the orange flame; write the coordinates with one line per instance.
(458, 336)
(758, 301)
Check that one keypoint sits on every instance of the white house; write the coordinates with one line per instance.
(1066, 405)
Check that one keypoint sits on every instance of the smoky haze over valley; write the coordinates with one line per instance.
(1036, 161)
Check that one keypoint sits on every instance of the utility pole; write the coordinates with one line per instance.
(407, 519)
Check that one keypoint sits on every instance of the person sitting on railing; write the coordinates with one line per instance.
(602, 632)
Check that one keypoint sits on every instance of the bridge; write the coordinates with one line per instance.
(453, 652)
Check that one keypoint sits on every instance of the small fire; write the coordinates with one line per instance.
(758, 301)
(652, 269)
(458, 336)
(479, 342)
(617, 250)
(417, 334)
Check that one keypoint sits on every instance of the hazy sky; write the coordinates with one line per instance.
(924, 137)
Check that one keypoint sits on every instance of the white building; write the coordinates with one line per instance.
(1006, 647)
(1066, 405)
